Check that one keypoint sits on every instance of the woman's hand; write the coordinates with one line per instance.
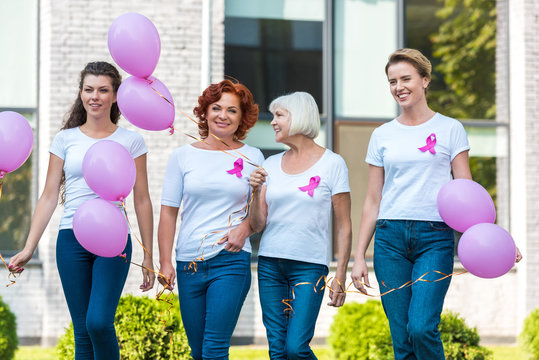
(148, 276)
(17, 262)
(167, 278)
(360, 275)
(257, 179)
(235, 239)
(336, 292)
(519, 255)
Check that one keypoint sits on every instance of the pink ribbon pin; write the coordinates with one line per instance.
(431, 141)
(313, 184)
(238, 167)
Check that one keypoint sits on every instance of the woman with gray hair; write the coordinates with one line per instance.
(293, 199)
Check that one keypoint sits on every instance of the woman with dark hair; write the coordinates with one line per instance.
(92, 284)
(213, 249)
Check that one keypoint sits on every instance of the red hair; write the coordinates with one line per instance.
(213, 93)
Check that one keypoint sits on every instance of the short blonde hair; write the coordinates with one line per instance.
(303, 113)
(413, 57)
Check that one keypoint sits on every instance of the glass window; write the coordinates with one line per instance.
(18, 46)
(275, 47)
(460, 40)
(18, 71)
(365, 34)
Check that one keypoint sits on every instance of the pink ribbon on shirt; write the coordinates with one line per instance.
(313, 184)
(431, 141)
(238, 167)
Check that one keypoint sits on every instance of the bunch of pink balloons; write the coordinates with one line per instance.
(135, 46)
(16, 141)
(99, 226)
(485, 249)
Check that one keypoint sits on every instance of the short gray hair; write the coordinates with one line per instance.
(303, 112)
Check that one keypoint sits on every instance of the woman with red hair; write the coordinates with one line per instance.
(213, 250)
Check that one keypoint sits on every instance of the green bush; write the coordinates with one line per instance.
(361, 331)
(8, 332)
(529, 338)
(460, 341)
(146, 329)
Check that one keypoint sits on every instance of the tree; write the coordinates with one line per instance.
(466, 45)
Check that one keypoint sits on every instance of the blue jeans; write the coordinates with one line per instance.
(211, 299)
(404, 250)
(289, 335)
(92, 288)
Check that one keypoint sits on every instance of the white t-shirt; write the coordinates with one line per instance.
(71, 145)
(297, 226)
(208, 184)
(414, 177)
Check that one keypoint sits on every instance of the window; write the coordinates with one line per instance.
(275, 48)
(18, 70)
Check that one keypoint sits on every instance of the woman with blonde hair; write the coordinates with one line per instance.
(293, 200)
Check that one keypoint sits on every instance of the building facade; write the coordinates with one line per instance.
(335, 49)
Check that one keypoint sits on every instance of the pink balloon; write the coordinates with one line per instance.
(134, 44)
(487, 250)
(16, 141)
(463, 203)
(147, 104)
(109, 170)
(100, 228)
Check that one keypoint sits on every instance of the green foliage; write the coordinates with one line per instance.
(529, 338)
(146, 328)
(460, 341)
(361, 331)
(466, 45)
(66, 344)
(483, 170)
(8, 332)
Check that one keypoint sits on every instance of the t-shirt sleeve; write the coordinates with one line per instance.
(173, 182)
(459, 140)
(340, 176)
(57, 147)
(138, 146)
(374, 156)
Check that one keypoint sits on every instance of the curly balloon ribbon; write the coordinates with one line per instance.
(158, 272)
(11, 276)
(2, 173)
(313, 184)
(431, 142)
(159, 293)
(289, 310)
(238, 167)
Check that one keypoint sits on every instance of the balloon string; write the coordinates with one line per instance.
(289, 310)
(158, 272)
(159, 293)
(193, 267)
(2, 173)
(11, 275)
